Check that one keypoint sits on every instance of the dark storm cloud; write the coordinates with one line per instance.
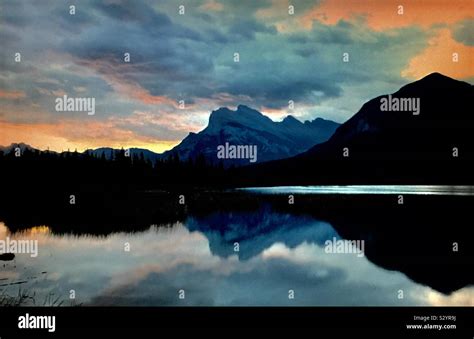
(217, 36)
(12, 14)
(464, 32)
(275, 93)
(337, 34)
(245, 7)
(73, 23)
(340, 33)
(247, 29)
(132, 11)
(166, 57)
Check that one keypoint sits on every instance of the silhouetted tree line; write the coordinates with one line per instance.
(72, 171)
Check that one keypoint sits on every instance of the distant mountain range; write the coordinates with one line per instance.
(108, 153)
(435, 144)
(20, 145)
(245, 126)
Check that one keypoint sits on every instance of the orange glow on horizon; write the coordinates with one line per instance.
(53, 137)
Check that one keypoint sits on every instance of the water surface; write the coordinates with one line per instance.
(277, 252)
(366, 189)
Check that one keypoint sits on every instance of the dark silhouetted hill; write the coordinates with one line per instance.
(376, 146)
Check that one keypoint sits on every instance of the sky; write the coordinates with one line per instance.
(288, 50)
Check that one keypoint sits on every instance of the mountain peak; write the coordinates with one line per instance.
(445, 104)
(436, 76)
(13, 145)
(291, 120)
(289, 117)
(434, 80)
(243, 115)
(248, 111)
(244, 108)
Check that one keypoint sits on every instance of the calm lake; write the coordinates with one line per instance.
(361, 189)
(263, 256)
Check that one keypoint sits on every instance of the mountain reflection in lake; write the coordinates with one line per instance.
(278, 251)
